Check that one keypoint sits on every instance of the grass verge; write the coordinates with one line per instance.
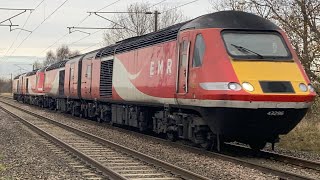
(304, 137)
(2, 167)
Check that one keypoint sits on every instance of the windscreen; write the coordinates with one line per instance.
(256, 45)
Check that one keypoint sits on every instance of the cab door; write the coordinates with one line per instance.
(71, 79)
(86, 77)
(183, 64)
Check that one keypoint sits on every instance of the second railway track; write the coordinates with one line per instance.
(282, 174)
(115, 161)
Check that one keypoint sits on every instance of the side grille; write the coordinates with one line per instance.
(106, 79)
(276, 86)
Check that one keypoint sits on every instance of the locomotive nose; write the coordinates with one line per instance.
(272, 78)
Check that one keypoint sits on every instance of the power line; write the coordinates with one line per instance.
(85, 18)
(39, 4)
(181, 5)
(22, 26)
(120, 20)
(109, 5)
(157, 3)
(55, 42)
(91, 46)
(39, 25)
(16, 9)
(17, 35)
(84, 37)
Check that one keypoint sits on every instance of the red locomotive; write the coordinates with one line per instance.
(225, 76)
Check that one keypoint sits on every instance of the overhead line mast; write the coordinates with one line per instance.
(10, 18)
(39, 25)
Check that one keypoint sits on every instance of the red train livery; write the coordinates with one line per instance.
(225, 76)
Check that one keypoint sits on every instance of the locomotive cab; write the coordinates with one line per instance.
(244, 76)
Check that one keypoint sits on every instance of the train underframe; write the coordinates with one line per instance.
(205, 127)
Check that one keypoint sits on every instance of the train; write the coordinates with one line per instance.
(221, 77)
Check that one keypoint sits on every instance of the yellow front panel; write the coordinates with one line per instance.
(255, 71)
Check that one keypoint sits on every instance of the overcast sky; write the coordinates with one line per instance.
(21, 47)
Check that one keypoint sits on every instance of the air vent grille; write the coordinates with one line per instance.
(106, 79)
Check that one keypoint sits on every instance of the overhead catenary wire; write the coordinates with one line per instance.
(121, 20)
(84, 37)
(181, 5)
(17, 35)
(92, 46)
(22, 26)
(85, 18)
(39, 26)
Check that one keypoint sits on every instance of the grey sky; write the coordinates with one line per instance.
(55, 27)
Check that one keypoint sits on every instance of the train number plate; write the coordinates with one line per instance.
(275, 113)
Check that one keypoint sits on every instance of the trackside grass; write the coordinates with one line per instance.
(2, 168)
(306, 136)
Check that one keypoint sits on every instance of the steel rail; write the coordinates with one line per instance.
(276, 156)
(173, 169)
(105, 170)
(265, 169)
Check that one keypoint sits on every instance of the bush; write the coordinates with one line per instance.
(5, 86)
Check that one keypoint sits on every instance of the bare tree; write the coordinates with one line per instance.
(240, 5)
(50, 58)
(137, 22)
(299, 18)
(62, 53)
(74, 53)
(37, 64)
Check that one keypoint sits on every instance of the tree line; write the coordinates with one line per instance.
(62, 52)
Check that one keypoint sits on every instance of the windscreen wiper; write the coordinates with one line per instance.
(243, 49)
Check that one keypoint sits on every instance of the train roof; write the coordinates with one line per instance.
(57, 65)
(163, 35)
(32, 72)
(231, 20)
(17, 77)
(222, 19)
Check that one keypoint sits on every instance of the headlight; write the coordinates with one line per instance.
(247, 86)
(311, 89)
(234, 86)
(303, 87)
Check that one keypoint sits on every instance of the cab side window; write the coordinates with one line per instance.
(199, 49)
(88, 73)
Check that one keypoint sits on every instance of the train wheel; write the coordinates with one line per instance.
(99, 119)
(257, 146)
(207, 145)
(73, 111)
(172, 135)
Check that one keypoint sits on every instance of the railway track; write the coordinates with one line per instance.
(275, 156)
(115, 161)
(278, 157)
